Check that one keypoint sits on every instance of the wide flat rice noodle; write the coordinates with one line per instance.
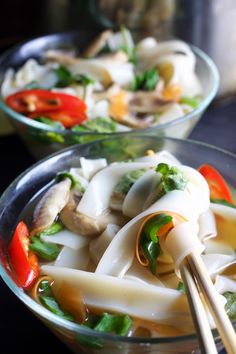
(109, 293)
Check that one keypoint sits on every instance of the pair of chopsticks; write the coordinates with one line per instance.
(197, 281)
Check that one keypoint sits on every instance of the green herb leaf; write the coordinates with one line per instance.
(151, 251)
(44, 250)
(126, 47)
(153, 225)
(51, 304)
(53, 229)
(126, 181)
(172, 178)
(145, 81)
(181, 287)
(48, 300)
(84, 80)
(116, 324)
(65, 174)
(45, 288)
(65, 78)
(230, 306)
(99, 125)
(223, 202)
(149, 239)
(191, 101)
(52, 123)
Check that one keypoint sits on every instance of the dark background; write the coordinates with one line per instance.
(20, 331)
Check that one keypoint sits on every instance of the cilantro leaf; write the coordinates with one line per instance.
(127, 180)
(171, 179)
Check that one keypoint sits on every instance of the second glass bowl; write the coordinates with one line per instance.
(42, 140)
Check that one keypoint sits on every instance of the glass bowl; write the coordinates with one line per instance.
(21, 191)
(43, 140)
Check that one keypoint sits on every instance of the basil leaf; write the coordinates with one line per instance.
(44, 250)
(126, 181)
(145, 81)
(116, 324)
(51, 304)
(149, 239)
(65, 78)
(154, 224)
(90, 341)
(172, 178)
(151, 251)
(191, 101)
(230, 306)
(223, 202)
(99, 125)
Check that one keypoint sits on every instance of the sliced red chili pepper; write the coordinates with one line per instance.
(23, 261)
(217, 185)
(67, 118)
(39, 101)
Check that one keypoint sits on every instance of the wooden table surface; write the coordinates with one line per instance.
(20, 331)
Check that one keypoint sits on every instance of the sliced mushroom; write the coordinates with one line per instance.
(98, 44)
(50, 205)
(148, 102)
(111, 91)
(85, 225)
(119, 110)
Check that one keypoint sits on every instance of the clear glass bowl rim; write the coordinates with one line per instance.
(37, 125)
(74, 327)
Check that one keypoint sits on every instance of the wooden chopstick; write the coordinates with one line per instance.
(203, 330)
(211, 297)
